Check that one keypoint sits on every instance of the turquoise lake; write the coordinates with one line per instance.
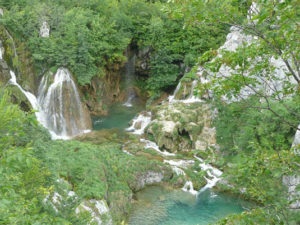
(159, 206)
(119, 117)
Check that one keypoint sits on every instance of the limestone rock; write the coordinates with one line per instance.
(150, 177)
(4, 70)
(179, 126)
(294, 196)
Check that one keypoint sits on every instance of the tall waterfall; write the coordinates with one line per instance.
(57, 107)
(60, 101)
(129, 78)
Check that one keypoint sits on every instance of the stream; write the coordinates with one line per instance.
(158, 205)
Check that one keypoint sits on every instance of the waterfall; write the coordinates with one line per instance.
(188, 187)
(131, 96)
(31, 98)
(60, 100)
(129, 78)
(213, 173)
(154, 146)
(40, 115)
(140, 123)
(172, 97)
(191, 97)
(58, 107)
(177, 167)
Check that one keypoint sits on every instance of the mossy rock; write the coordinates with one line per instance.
(4, 73)
(18, 98)
(178, 126)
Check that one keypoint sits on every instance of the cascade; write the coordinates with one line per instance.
(129, 78)
(140, 123)
(213, 174)
(191, 97)
(188, 187)
(58, 107)
(31, 98)
(171, 98)
(60, 100)
(153, 145)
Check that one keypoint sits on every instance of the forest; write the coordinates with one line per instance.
(256, 133)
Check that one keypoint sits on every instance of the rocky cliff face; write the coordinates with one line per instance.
(102, 92)
(294, 195)
(4, 69)
(18, 59)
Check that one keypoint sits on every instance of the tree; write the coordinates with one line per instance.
(257, 140)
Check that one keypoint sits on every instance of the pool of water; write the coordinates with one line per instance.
(119, 117)
(159, 206)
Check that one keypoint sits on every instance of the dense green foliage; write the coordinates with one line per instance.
(255, 133)
(90, 37)
(256, 125)
(32, 169)
(256, 155)
(24, 179)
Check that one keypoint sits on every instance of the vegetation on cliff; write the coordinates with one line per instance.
(89, 37)
(32, 168)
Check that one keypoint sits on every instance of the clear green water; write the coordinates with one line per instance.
(159, 206)
(119, 117)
